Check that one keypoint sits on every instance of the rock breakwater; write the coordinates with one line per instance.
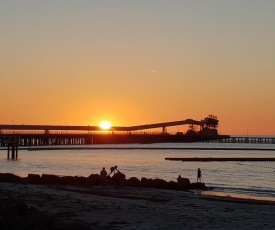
(118, 179)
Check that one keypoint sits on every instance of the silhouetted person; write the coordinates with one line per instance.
(103, 176)
(179, 182)
(113, 170)
(199, 175)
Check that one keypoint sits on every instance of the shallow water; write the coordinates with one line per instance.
(253, 179)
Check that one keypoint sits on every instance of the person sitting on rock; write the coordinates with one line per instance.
(113, 170)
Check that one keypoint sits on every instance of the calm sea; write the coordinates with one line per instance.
(238, 179)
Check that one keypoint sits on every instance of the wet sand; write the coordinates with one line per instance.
(140, 208)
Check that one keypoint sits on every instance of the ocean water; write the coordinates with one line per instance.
(254, 180)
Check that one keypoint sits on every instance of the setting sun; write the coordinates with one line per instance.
(105, 125)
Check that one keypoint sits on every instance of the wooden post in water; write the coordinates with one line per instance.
(14, 151)
(8, 151)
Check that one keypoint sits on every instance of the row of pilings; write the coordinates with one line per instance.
(41, 141)
(247, 140)
(110, 138)
(51, 141)
(12, 151)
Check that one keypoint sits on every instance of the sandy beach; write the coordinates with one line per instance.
(134, 208)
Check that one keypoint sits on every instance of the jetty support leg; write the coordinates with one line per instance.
(16, 151)
(13, 152)
(8, 156)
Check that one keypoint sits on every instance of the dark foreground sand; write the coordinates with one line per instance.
(129, 208)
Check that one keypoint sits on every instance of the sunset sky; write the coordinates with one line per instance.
(138, 62)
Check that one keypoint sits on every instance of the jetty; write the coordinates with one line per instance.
(208, 159)
(39, 135)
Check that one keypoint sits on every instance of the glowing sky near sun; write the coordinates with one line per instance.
(138, 62)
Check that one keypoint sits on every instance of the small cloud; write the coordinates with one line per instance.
(153, 71)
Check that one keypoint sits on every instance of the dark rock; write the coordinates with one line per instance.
(183, 183)
(9, 177)
(159, 183)
(49, 179)
(33, 178)
(119, 178)
(83, 181)
(67, 180)
(197, 185)
(95, 179)
(172, 185)
(148, 183)
(133, 182)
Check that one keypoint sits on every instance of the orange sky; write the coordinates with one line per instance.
(80, 62)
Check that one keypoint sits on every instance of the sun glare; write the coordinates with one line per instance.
(105, 125)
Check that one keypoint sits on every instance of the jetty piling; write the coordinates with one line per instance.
(13, 147)
(11, 142)
(245, 140)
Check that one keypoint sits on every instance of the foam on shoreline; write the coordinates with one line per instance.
(238, 197)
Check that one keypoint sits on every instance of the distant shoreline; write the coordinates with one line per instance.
(141, 148)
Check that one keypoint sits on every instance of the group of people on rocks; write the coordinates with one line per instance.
(104, 174)
(114, 170)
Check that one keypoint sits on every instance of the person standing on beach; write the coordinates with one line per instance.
(103, 176)
(199, 175)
